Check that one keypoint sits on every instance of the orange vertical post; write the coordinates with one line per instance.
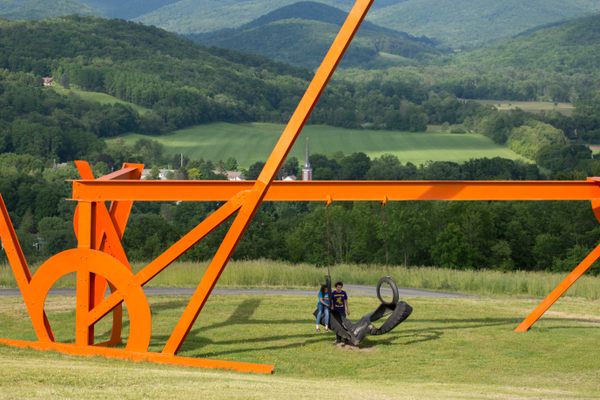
(84, 331)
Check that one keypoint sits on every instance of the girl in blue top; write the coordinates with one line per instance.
(323, 308)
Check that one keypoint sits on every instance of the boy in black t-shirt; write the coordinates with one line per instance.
(339, 302)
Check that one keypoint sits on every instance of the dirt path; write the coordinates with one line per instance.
(353, 290)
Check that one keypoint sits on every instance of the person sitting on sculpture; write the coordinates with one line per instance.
(323, 305)
(339, 300)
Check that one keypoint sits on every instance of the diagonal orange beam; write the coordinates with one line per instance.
(169, 256)
(559, 291)
(273, 164)
(20, 269)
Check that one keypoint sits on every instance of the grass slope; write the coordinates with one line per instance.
(39, 9)
(97, 97)
(570, 47)
(535, 107)
(253, 142)
(448, 348)
(312, 26)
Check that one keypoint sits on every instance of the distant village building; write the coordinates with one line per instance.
(48, 81)
(289, 178)
(307, 171)
(234, 176)
(163, 174)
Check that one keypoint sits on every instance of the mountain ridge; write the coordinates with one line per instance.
(311, 27)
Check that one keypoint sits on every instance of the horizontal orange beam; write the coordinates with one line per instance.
(88, 190)
(159, 358)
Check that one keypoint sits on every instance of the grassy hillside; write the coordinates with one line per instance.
(454, 22)
(39, 9)
(301, 33)
(97, 97)
(569, 47)
(447, 349)
(249, 143)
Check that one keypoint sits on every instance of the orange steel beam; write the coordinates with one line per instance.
(338, 190)
(20, 269)
(139, 356)
(167, 257)
(274, 162)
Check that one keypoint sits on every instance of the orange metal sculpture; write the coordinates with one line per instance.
(100, 260)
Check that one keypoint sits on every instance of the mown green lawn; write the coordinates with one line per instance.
(253, 142)
(448, 348)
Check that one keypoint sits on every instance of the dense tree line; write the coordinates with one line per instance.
(500, 235)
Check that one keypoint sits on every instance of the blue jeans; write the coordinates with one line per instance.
(322, 309)
(342, 313)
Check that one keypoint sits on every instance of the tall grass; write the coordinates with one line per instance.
(266, 273)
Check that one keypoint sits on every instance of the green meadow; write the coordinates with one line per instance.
(447, 349)
(530, 106)
(253, 142)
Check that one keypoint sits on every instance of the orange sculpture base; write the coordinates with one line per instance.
(159, 358)
(100, 259)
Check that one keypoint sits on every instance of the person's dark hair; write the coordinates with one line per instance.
(339, 283)
(323, 289)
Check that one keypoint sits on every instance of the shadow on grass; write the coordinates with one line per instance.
(409, 333)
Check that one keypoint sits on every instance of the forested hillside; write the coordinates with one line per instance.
(301, 33)
(570, 47)
(456, 23)
(182, 83)
(468, 23)
(39, 9)
(125, 9)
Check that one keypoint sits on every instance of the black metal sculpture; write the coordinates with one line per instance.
(354, 332)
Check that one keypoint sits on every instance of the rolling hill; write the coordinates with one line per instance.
(39, 9)
(569, 47)
(181, 82)
(126, 9)
(457, 23)
(301, 33)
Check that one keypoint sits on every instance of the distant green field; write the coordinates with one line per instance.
(530, 106)
(97, 97)
(253, 142)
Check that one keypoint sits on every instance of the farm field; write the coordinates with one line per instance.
(253, 142)
(530, 106)
(448, 348)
